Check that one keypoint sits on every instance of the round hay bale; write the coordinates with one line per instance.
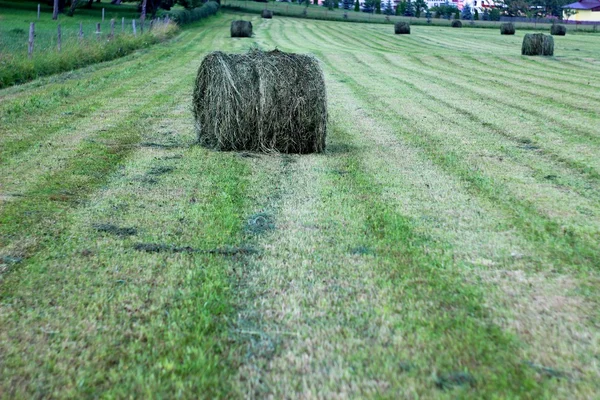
(267, 14)
(558, 30)
(507, 28)
(261, 101)
(241, 29)
(537, 44)
(456, 24)
(402, 28)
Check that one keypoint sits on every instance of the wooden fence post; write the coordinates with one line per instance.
(59, 38)
(112, 28)
(80, 31)
(123, 24)
(134, 30)
(39, 6)
(31, 36)
(103, 15)
(55, 10)
(98, 31)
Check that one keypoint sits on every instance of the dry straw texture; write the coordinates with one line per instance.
(261, 101)
(241, 29)
(537, 44)
(507, 28)
(456, 24)
(558, 30)
(267, 14)
(402, 28)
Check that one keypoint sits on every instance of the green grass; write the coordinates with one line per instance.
(75, 52)
(445, 246)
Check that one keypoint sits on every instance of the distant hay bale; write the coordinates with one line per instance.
(261, 101)
(456, 24)
(537, 44)
(558, 30)
(267, 14)
(241, 29)
(507, 28)
(402, 28)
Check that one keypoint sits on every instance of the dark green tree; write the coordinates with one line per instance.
(476, 15)
(401, 8)
(495, 14)
(410, 9)
(378, 7)
(356, 6)
(388, 8)
(486, 15)
(457, 15)
(420, 5)
(466, 12)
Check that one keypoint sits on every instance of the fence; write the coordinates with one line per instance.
(127, 27)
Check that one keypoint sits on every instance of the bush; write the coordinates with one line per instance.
(456, 24)
(183, 17)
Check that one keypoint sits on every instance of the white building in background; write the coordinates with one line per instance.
(434, 3)
(480, 5)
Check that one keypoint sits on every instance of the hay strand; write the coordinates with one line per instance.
(261, 101)
(507, 28)
(537, 44)
(241, 28)
(402, 28)
(268, 14)
(456, 24)
(558, 30)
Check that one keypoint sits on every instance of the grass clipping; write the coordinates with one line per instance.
(261, 101)
(507, 28)
(537, 44)
(241, 28)
(402, 28)
(268, 14)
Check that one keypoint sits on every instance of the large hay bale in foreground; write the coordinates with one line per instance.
(507, 28)
(456, 24)
(267, 14)
(402, 28)
(537, 44)
(558, 30)
(241, 28)
(261, 101)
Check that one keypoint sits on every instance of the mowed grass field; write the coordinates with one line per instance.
(445, 245)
